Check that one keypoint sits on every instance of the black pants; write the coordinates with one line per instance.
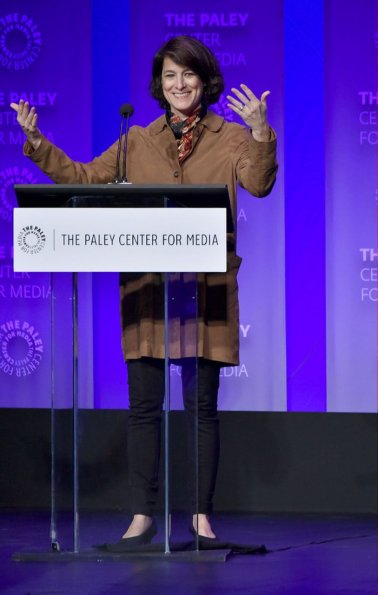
(146, 393)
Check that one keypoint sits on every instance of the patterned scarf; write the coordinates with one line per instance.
(183, 131)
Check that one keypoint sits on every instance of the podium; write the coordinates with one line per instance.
(174, 232)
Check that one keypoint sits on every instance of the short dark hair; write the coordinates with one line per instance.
(190, 52)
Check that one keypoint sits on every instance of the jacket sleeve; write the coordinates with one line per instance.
(63, 170)
(256, 165)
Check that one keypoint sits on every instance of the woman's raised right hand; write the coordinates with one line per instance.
(28, 119)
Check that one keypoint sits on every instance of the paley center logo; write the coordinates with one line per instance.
(20, 41)
(21, 348)
(31, 239)
(8, 177)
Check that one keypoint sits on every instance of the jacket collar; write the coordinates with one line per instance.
(211, 121)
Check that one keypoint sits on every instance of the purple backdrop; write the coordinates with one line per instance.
(308, 290)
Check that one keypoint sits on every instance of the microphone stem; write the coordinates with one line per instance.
(124, 178)
(117, 178)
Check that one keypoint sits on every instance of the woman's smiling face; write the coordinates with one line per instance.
(182, 88)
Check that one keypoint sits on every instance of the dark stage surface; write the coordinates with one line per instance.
(308, 554)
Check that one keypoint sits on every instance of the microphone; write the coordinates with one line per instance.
(125, 111)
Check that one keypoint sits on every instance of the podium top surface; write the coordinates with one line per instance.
(125, 195)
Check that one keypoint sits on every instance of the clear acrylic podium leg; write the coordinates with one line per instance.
(63, 517)
(181, 341)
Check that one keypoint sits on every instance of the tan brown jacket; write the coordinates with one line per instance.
(222, 153)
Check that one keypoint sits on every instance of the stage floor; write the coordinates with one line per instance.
(308, 554)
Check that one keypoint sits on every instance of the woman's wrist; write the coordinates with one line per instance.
(262, 135)
(34, 142)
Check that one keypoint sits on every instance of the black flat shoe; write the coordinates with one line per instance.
(129, 543)
(202, 540)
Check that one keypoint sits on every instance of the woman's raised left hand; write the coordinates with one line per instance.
(253, 111)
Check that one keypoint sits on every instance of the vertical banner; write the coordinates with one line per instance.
(45, 59)
(351, 187)
(305, 207)
(247, 39)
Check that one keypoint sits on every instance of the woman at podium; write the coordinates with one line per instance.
(189, 144)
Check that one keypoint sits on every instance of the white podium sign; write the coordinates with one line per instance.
(116, 239)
